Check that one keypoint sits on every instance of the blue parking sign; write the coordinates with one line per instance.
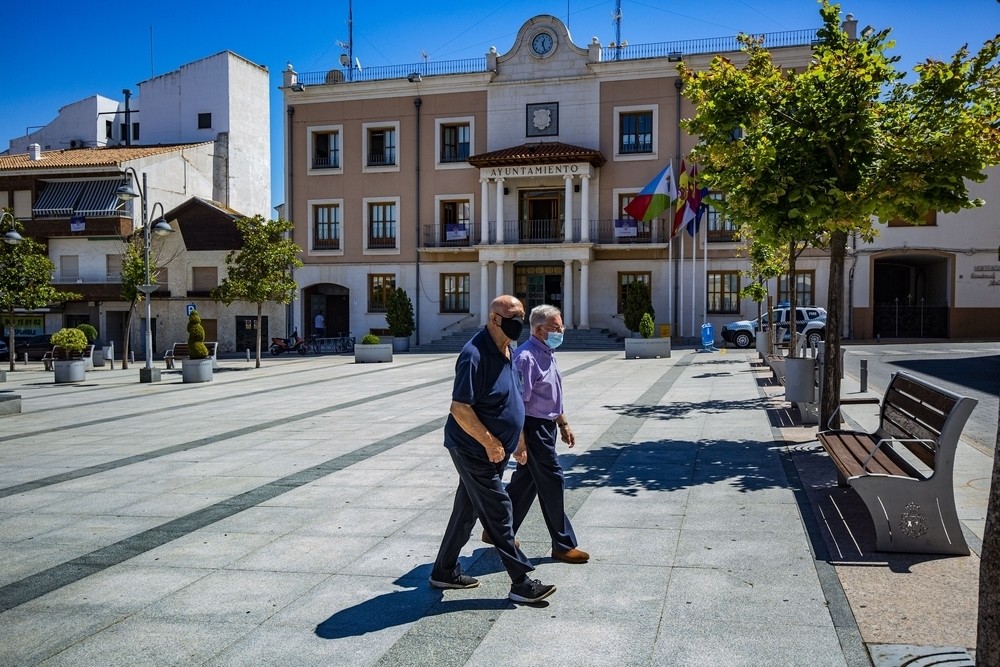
(190, 309)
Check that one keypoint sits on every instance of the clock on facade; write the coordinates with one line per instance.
(542, 43)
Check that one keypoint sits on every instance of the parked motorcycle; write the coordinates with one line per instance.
(294, 344)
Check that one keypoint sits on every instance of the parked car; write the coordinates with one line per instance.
(34, 346)
(810, 320)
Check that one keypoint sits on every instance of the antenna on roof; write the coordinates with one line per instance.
(425, 57)
(616, 19)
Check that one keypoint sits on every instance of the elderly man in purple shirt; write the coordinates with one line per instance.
(542, 475)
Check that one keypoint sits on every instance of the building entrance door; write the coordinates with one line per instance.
(540, 216)
(535, 284)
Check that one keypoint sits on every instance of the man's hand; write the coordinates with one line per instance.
(494, 450)
(567, 436)
(521, 453)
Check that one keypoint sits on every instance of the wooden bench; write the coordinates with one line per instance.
(903, 471)
(180, 351)
(57, 353)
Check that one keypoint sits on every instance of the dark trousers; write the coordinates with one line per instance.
(542, 476)
(480, 494)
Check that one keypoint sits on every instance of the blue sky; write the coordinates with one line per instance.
(62, 51)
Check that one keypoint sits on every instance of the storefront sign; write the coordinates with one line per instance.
(24, 325)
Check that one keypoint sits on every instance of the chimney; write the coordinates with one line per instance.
(34, 152)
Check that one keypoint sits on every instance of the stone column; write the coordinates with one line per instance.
(499, 220)
(584, 292)
(567, 293)
(568, 209)
(484, 210)
(584, 209)
(500, 289)
(484, 292)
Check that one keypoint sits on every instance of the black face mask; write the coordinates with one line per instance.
(511, 327)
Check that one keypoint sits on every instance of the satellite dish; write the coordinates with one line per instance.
(345, 60)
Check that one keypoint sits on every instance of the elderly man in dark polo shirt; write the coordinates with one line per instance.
(482, 432)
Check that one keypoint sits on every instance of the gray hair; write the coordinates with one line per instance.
(541, 314)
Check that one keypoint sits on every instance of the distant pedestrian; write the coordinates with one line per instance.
(544, 414)
(319, 325)
(484, 428)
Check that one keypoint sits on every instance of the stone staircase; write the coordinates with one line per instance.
(574, 339)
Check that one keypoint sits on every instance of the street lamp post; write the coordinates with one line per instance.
(161, 228)
(13, 238)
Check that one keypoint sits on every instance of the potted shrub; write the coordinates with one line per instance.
(371, 349)
(69, 365)
(97, 358)
(638, 302)
(399, 318)
(198, 365)
(647, 347)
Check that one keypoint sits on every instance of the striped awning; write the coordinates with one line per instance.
(86, 198)
(58, 198)
(99, 198)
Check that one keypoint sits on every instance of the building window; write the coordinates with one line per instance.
(135, 131)
(381, 147)
(69, 268)
(455, 142)
(109, 128)
(326, 227)
(643, 230)
(379, 286)
(805, 294)
(326, 150)
(720, 228)
(723, 292)
(204, 279)
(113, 268)
(204, 121)
(626, 279)
(454, 292)
(456, 223)
(381, 225)
(929, 220)
(636, 132)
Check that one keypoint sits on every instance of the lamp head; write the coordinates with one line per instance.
(126, 193)
(414, 77)
(12, 237)
(161, 227)
(298, 87)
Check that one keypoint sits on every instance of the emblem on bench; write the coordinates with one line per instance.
(912, 521)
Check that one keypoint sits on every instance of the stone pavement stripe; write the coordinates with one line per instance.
(464, 632)
(159, 410)
(846, 626)
(30, 588)
(193, 444)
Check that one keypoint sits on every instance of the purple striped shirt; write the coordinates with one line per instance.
(540, 379)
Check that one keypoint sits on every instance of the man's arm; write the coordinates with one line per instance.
(467, 419)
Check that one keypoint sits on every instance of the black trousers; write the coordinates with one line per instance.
(542, 476)
(480, 494)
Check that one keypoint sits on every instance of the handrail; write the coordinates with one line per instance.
(458, 321)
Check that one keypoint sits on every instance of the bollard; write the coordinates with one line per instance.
(131, 357)
(248, 354)
(25, 358)
(864, 375)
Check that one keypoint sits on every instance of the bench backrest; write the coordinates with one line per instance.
(181, 349)
(915, 409)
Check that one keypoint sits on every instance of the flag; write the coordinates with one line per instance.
(655, 198)
(702, 195)
(77, 223)
(695, 202)
(683, 213)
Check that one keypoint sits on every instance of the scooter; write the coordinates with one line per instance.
(298, 344)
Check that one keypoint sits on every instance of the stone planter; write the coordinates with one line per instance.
(196, 370)
(372, 353)
(97, 358)
(761, 343)
(70, 370)
(401, 344)
(800, 379)
(647, 348)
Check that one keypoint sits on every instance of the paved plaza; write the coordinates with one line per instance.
(290, 515)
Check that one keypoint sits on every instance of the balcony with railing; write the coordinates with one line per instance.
(381, 242)
(331, 161)
(61, 227)
(385, 158)
(451, 235)
(629, 231)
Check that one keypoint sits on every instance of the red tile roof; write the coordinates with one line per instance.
(86, 157)
(542, 152)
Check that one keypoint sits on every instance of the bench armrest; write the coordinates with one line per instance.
(850, 401)
(878, 444)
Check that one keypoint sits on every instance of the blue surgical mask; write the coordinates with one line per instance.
(554, 339)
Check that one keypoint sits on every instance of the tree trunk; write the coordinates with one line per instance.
(260, 309)
(831, 346)
(10, 339)
(988, 635)
(793, 312)
(128, 336)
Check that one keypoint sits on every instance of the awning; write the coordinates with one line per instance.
(58, 198)
(99, 198)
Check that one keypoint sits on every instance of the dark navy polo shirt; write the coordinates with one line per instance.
(488, 381)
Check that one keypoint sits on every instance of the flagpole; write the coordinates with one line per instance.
(670, 284)
(704, 270)
(694, 281)
(680, 291)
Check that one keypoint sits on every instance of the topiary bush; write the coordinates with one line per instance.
(196, 337)
(370, 339)
(646, 326)
(71, 339)
(399, 313)
(638, 302)
(89, 331)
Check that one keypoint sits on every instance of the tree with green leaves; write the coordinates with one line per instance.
(638, 302)
(25, 280)
(814, 155)
(765, 264)
(133, 274)
(261, 270)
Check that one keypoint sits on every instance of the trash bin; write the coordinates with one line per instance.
(707, 335)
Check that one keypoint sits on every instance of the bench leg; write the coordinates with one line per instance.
(169, 362)
(912, 516)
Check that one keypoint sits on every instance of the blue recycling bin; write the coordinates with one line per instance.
(707, 335)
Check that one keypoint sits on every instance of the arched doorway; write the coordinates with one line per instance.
(910, 296)
(334, 301)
